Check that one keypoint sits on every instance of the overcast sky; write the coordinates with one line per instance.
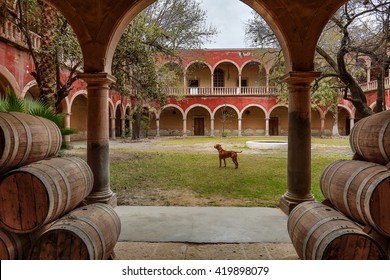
(228, 16)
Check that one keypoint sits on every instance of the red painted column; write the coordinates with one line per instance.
(299, 140)
(98, 140)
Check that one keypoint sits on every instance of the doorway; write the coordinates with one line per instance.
(274, 126)
(198, 126)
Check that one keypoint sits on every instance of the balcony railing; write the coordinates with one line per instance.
(10, 31)
(373, 85)
(205, 91)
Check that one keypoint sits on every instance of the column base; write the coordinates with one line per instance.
(288, 201)
(100, 197)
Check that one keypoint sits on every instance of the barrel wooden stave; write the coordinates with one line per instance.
(25, 139)
(360, 190)
(14, 246)
(320, 232)
(370, 136)
(88, 233)
(41, 192)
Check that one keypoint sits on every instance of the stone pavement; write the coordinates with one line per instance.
(156, 233)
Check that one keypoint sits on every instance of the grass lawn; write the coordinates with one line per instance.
(260, 180)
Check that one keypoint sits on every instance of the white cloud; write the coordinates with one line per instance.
(229, 17)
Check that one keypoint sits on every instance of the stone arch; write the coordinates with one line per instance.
(119, 116)
(226, 120)
(253, 117)
(30, 89)
(8, 79)
(78, 115)
(170, 123)
(278, 120)
(198, 120)
(317, 117)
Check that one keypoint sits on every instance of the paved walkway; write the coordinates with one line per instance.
(203, 233)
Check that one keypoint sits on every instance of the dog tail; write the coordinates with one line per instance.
(238, 151)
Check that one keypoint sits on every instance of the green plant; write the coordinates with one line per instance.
(12, 103)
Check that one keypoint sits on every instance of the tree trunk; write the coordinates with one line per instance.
(47, 55)
(335, 128)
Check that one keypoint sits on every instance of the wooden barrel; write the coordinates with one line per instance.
(25, 139)
(360, 190)
(322, 233)
(86, 233)
(14, 246)
(38, 193)
(370, 138)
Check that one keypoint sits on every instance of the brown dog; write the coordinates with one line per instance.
(226, 154)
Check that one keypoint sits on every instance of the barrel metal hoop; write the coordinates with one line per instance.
(50, 142)
(82, 235)
(113, 214)
(360, 191)
(313, 229)
(16, 140)
(11, 249)
(82, 165)
(381, 138)
(331, 236)
(28, 138)
(342, 163)
(348, 185)
(33, 170)
(99, 233)
(300, 216)
(324, 175)
(367, 199)
(358, 149)
(66, 182)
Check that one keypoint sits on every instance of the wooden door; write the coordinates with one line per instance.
(274, 126)
(199, 126)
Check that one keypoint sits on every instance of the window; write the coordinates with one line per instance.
(219, 80)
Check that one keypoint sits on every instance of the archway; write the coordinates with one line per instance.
(171, 121)
(278, 121)
(78, 117)
(226, 121)
(198, 121)
(253, 121)
(297, 25)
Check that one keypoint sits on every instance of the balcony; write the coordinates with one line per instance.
(222, 91)
(10, 31)
(373, 85)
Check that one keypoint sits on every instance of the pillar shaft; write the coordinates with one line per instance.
(98, 138)
(299, 140)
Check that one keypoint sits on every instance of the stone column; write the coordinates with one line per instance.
(123, 127)
(98, 142)
(112, 128)
(239, 84)
(239, 127)
(266, 126)
(157, 127)
(66, 138)
(351, 122)
(212, 84)
(212, 127)
(184, 127)
(299, 140)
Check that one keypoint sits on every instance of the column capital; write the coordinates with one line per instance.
(300, 77)
(97, 79)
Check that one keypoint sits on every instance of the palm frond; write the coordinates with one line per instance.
(68, 131)
(3, 104)
(15, 104)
